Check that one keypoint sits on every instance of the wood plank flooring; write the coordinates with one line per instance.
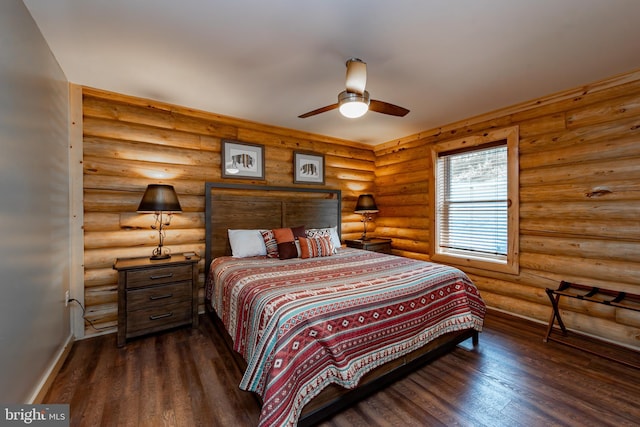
(188, 378)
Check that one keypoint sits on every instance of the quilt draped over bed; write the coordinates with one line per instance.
(304, 324)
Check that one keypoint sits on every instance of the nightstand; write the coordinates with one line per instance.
(374, 244)
(154, 295)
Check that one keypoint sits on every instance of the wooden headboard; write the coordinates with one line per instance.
(240, 206)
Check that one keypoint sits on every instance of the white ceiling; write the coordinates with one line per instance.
(270, 61)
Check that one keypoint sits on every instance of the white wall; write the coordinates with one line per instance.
(34, 205)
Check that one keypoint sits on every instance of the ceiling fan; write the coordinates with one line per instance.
(354, 101)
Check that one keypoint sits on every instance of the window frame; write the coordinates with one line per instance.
(469, 259)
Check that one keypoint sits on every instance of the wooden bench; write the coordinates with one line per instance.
(623, 300)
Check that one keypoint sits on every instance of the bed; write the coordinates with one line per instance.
(314, 335)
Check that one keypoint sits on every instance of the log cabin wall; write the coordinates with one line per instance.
(130, 142)
(579, 202)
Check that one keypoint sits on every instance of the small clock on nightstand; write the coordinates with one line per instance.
(373, 244)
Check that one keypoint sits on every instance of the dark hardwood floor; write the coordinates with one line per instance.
(187, 378)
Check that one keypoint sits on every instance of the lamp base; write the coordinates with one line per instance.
(160, 253)
(365, 237)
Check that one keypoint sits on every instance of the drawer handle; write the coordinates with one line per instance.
(161, 316)
(155, 297)
(162, 276)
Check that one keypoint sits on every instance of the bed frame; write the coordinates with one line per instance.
(240, 206)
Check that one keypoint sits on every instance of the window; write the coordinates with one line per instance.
(471, 208)
(475, 193)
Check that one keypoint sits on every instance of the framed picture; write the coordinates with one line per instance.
(242, 160)
(308, 168)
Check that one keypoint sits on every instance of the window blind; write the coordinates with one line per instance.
(472, 201)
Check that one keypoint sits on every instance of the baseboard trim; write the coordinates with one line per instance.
(47, 379)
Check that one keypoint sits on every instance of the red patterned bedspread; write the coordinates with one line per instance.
(304, 324)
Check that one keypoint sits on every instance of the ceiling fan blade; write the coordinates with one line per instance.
(386, 108)
(319, 110)
(356, 76)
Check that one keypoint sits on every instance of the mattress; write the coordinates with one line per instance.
(303, 324)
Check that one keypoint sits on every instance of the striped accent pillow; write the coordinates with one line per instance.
(312, 247)
(329, 231)
(271, 243)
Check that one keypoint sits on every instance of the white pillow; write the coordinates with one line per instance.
(246, 243)
(335, 239)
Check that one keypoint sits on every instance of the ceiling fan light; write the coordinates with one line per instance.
(353, 105)
(353, 109)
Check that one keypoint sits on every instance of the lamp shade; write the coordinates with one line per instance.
(159, 198)
(366, 204)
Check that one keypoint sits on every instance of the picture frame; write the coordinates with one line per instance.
(308, 168)
(242, 160)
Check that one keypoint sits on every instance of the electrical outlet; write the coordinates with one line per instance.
(66, 298)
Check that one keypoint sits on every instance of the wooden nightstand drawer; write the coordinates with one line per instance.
(151, 319)
(154, 295)
(157, 275)
(158, 296)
